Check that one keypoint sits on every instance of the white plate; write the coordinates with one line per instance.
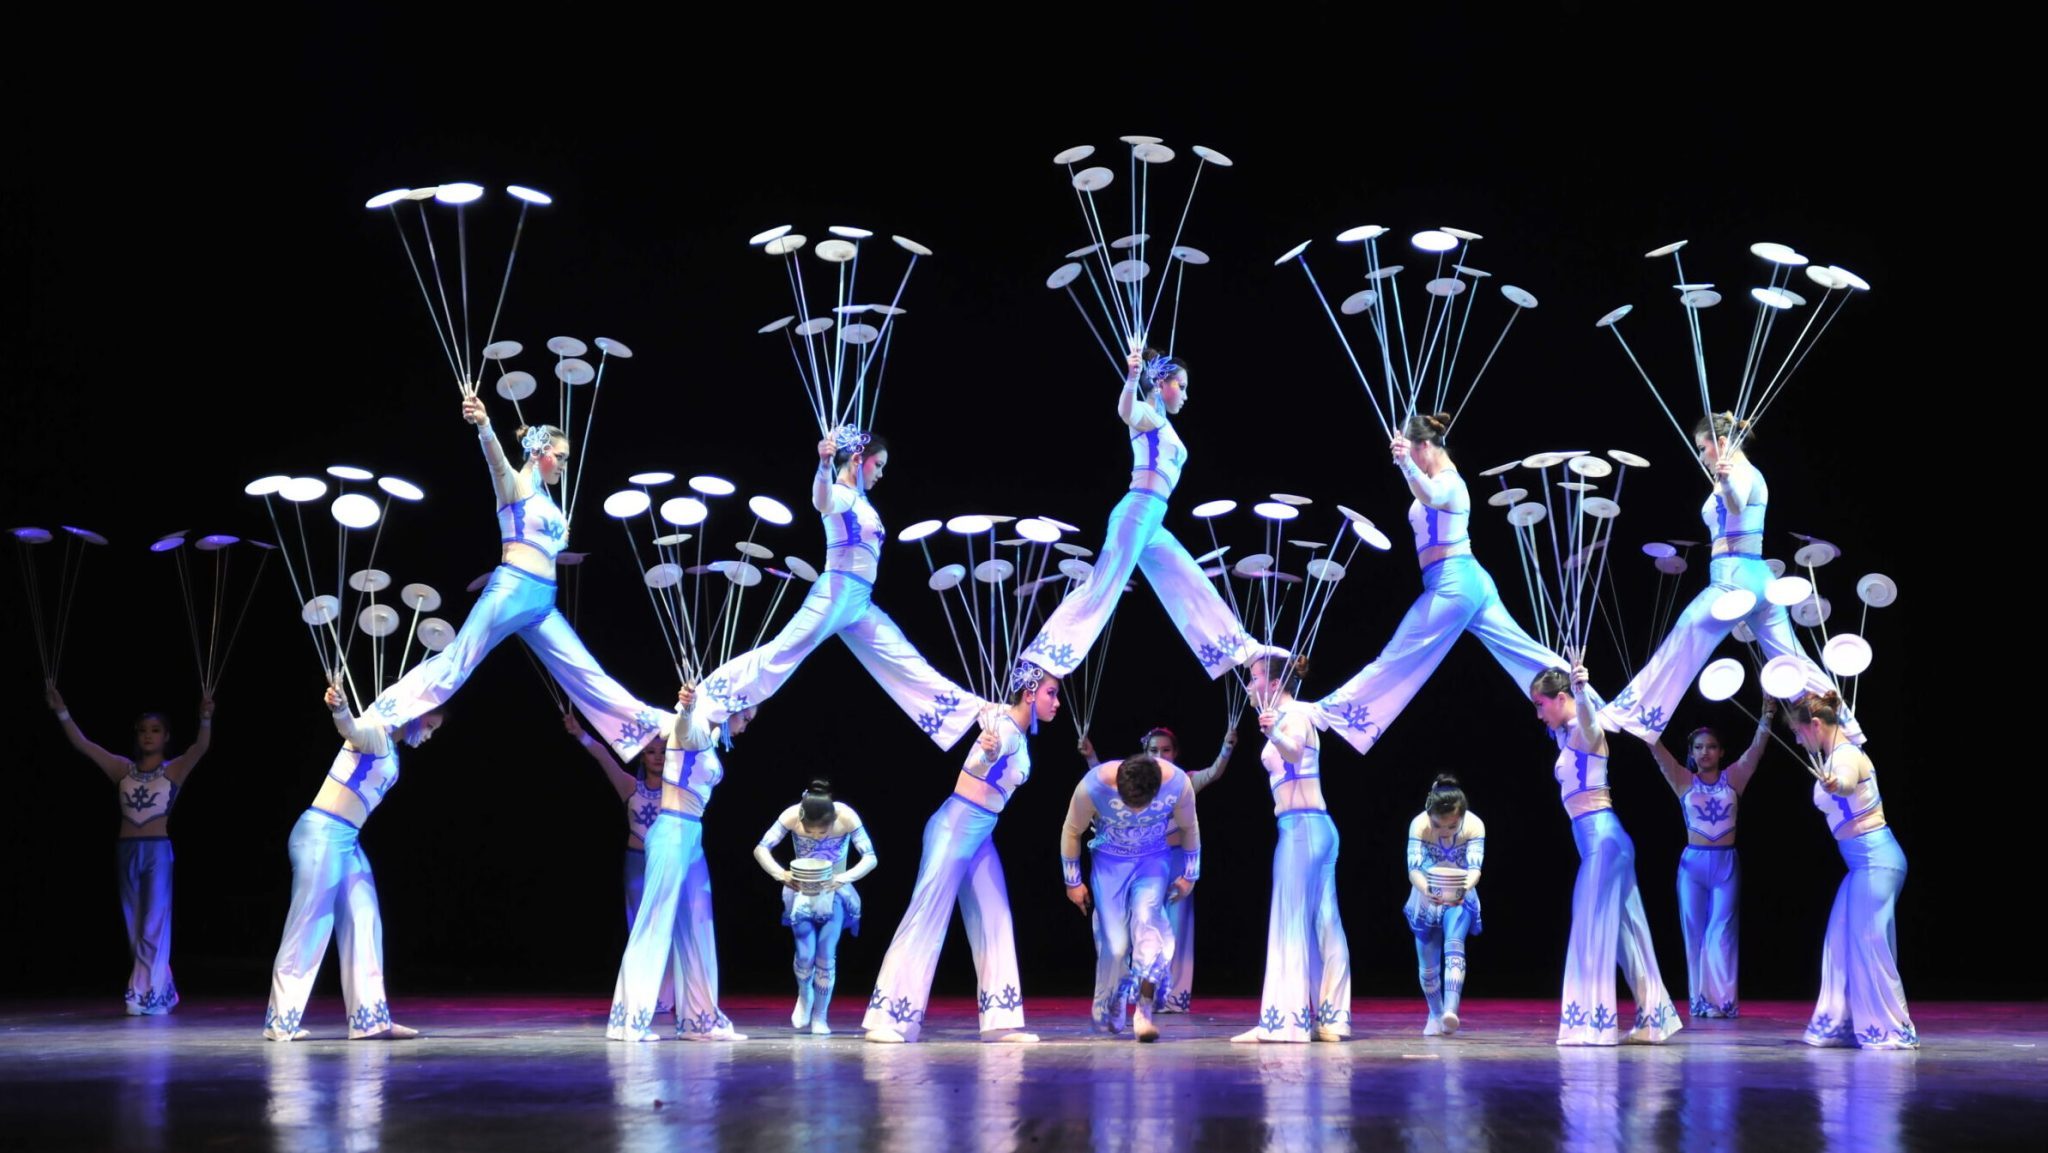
(1787, 591)
(1733, 605)
(1721, 679)
(1846, 655)
(1877, 590)
(1783, 677)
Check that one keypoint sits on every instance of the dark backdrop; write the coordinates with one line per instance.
(201, 300)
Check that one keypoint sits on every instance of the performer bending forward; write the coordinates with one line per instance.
(1134, 804)
(1444, 838)
(1308, 960)
(333, 891)
(824, 829)
(1862, 1001)
(672, 948)
(960, 863)
(1607, 908)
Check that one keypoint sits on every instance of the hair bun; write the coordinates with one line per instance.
(1444, 781)
(819, 785)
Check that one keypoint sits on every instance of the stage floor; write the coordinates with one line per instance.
(536, 1073)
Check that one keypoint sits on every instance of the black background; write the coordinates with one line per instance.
(201, 300)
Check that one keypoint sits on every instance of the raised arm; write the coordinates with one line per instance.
(687, 730)
(862, 845)
(1287, 731)
(825, 495)
(623, 783)
(504, 477)
(1734, 482)
(764, 851)
(1190, 842)
(181, 766)
(366, 738)
(1438, 491)
(1198, 781)
(115, 767)
(1745, 765)
(1675, 773)
(1087, 749)
(1589, 716)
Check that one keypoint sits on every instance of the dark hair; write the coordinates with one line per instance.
(161, 719)
(1824, 707)
(1694, 736)
(1723, 424)
(1156, 369)
(1429, 427)
(1137, 780)
(1159, 731)
(1552, 683)
(1445, 796)
(817, 804)
(877, 443)
(1289, 676)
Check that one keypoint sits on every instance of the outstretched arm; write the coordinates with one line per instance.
(1589, 717)
(504, 477)
(1209, 776)
(623, 783)
(1745, 765)
(367, 738)
(115, 767)
(1434, 491)
(182, 765)
(1675, 773)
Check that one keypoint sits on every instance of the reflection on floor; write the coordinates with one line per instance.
(536, 1073)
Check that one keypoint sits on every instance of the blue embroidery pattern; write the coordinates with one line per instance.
(286, 1022)
(370, 1018)
(1009, 998)
(1329, 1014)
(150, 999)
(387, 707)
(1223, 650)
(1604, 1019)
(1181, 1000)
(943, 706)
(1572, 1017)
(1057, 654)
(636, 731)
(900, 1010)
(139, 798)
(1305, 1019)
(1271, 1020)
(1661, 1017)
(709, 1021)
(1823, 1028)
(1714, 811)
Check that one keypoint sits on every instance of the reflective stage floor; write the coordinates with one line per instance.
(537, 1074)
